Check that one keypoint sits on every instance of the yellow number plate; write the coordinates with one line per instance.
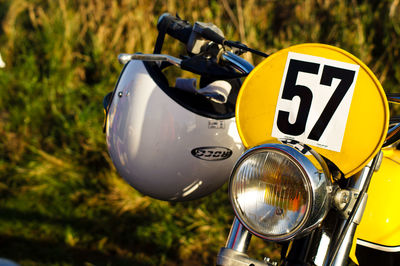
(318, 95)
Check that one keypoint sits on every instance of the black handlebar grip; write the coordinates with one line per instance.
(211, 35)
(175, 27)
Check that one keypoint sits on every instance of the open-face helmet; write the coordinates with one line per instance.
(168, 143)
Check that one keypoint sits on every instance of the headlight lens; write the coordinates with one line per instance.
(271, 192)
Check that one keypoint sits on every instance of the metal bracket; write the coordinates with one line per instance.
(344, 201)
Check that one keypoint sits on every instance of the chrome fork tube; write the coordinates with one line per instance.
(239, 237)
(342, 247)
(344, 250)
(235, 250)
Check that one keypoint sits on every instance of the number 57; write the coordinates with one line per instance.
(292, 89)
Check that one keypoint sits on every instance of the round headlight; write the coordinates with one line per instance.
(277, 192)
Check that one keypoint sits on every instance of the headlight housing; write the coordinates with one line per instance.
(278, 192)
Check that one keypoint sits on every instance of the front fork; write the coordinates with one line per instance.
(235, 250)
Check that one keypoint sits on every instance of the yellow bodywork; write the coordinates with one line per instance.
(380, 224)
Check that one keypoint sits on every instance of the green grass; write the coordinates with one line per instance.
(61, 200)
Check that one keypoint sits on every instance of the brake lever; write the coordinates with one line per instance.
(244, 47)
(215, 37)
(125, 58)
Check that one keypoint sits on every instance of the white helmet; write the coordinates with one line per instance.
(167, 143)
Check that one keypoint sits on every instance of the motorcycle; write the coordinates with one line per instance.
(318, 140)
(305, 140)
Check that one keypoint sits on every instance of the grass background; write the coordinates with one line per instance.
(61, 201)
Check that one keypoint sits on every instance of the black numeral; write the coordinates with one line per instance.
(346, 79)
(290, 90)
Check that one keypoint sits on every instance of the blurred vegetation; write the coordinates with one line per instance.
(61, 201)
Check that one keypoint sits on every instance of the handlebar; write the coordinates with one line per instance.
(175, 27)
(393, 97)
(393, 134)
(196, 65)
(185, 32)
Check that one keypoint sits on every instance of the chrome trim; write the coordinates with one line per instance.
(125, 58)
(392, 131)
(345, 247)
(345, 200)
(393, 97)
(322, 250)
(318, 181)
(361, 209)
(237, 62)
(239, 237)
(342, 254)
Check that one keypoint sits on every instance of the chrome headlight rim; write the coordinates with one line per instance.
(310, 175)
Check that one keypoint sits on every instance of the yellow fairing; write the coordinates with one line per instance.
(366, 121)
(380, 224)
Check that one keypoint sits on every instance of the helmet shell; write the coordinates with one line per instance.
(160, 147)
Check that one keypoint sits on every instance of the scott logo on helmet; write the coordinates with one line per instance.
(211, 153)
